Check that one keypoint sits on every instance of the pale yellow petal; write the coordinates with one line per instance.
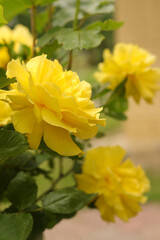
(15, 69)
(5, 112)
(59, 140)
(107, 212)
(34, 138)
(52, 119)
(23, 120)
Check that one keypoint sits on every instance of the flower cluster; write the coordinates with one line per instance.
(120, 185)
(133, 64)
(16, 42)
(51, 103)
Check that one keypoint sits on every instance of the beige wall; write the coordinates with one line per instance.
(142, 27)
(142, 23)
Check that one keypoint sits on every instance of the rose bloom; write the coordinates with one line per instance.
(4, 57)
(132, 63)
(120, 185)
(4, 113)
(20, 36)
(51, 103)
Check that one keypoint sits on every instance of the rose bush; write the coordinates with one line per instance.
(49, 116)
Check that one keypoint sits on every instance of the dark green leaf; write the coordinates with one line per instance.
(45, 220)
(2, 19)
(22, 191)
(79, 39)
(15, 226)
(48, 37)
(101, 92)
(120, 104)
(117, 115)
(66, 201)
(118, 92)
(50, 49)
(68, 15)
(12, 143)
(4, 81)
(6, 174)
(42, 220)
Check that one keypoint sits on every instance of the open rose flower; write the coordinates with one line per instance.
(120, 185)
(51, 103)
(133, 64)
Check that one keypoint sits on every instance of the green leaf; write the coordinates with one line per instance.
(71, 39)
(66, 201)
(50, 49)
(41, 21)
(97, 6)
(42, 220)
(45, 220)
(6, 174)
(120, 104)
(12, 143)
(2, 19)
(117, 115)
(22, 191)
(13, 8)
(68, 16)
(48, 37)
(103, 91)
(4, 81)
(108, 25)
(79, 39)
(15, 226)
(90, 7)
(118, 92)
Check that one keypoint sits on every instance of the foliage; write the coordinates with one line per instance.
(2, 19)
(60, 29)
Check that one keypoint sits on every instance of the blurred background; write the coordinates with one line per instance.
(140, 134)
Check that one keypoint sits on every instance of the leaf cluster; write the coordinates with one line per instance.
(61, 26)
(28, 214)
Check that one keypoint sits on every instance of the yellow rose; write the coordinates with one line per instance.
(4, 57)
(120, 185)
(20, 35)
(4, 113)
(133, 64)
(51, 103)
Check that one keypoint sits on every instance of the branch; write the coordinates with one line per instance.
(61, 175)
(50, 15)
(70, 60)
(76, 15)
(33, 27)
(74, 28)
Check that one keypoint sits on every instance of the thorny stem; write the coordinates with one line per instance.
(74, 28)
(33, 27)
